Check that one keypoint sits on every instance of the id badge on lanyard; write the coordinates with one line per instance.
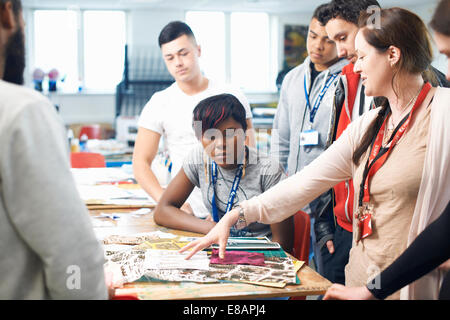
(310, 137)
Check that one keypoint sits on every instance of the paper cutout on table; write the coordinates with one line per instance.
(277, 270)
(130, 240)
(131, 263)
(238, 257)
(163, 244)
(136, 262)
(171, 259)
(297, 265)
(111, 249)
(178, 275)
(138, 238)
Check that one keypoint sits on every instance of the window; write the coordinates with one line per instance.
(104, 48)
(250, 51)
(55, 43)
(211, 41)
(236, 47)
(86, 47)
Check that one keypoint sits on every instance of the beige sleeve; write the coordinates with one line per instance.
(292, 194)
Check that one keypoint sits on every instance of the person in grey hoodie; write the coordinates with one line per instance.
(302, 127)
(47, 244)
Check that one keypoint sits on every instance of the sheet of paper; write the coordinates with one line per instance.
(92, 176)
(102, 192)
(129, 202)
(99, 223)
(111, 194)
(171, 259)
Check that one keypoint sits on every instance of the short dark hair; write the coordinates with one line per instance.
(349, 10)
(174, 30)
(16, 5)
(440, 21)
(319, 10)
(214, 110)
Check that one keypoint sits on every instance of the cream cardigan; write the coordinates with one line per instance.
(434, 192)
(336, 165)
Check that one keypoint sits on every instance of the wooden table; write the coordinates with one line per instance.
(311, 282)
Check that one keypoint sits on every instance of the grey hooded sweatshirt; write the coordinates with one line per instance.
(293, 115)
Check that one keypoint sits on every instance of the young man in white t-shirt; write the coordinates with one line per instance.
(169, 112)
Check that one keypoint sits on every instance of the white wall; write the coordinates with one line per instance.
(145, 25)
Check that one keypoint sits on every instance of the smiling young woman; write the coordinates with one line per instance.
(397, 55)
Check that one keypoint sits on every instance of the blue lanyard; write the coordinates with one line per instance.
(234, 187)
(313, 111)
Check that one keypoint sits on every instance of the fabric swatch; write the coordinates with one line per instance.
(238, 257)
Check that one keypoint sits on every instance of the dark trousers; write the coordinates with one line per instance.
(334, 264)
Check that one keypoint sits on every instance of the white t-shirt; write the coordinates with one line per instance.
(169, 113)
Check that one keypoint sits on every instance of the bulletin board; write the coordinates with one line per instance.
(294, 45)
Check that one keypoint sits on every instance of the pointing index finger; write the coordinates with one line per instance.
(188, 246)
(196, 246)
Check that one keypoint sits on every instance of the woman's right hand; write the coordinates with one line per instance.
(219, 234)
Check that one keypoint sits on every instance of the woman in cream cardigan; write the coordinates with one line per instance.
(434, 237)
(398, 155)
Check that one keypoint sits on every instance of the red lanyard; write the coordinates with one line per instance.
(376, 160)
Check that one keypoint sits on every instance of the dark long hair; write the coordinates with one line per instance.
(406, 31)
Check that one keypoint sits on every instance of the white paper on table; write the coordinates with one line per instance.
(92, 176)
(111, 194)
(171, 259)
(102, 192)
(129, 202)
